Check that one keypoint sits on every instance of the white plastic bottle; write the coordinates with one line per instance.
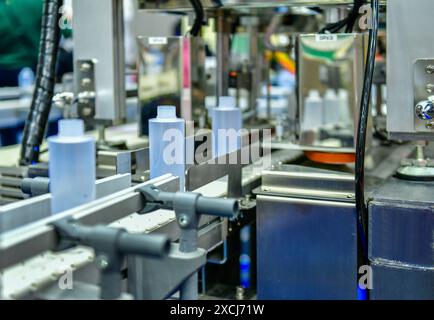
(345, 117)
(226, 125)
(72, 166)
(313, 111)
(331, 108)
(167, 145)
(26, 80)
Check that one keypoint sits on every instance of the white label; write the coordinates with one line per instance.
(159, 40)
(326, 37)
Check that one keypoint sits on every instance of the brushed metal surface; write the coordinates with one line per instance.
(401, 240)
(307, 249)
(209, 4)
(409, 35)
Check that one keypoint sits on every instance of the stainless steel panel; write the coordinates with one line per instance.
(171, 72)
(401, 240)
(398, 282)
(308, 182)
(306, 249)
(98, 36)
(333, 62)
(401, 227)
(409, 38)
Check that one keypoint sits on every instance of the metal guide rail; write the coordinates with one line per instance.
(26, 242)
(214, 4)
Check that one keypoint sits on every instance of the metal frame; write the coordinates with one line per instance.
(27, 211)
(26, 242)
(212, 4)
(99, 36)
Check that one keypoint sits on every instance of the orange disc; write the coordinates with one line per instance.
(330, 158)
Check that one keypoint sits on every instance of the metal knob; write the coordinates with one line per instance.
(425, 110)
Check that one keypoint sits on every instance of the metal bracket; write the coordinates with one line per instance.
(111, 245)
(188, 207)
(85, 85)
(159, 279)
(423, 87)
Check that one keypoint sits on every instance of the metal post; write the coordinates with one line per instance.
(189, 289)
(223, 50)
(188, 208)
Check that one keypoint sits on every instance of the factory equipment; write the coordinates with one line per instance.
(309, 194)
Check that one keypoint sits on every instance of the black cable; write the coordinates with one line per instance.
(348, 22)
(362, 214)
(354, 14)
(37, 118)
(198, 20)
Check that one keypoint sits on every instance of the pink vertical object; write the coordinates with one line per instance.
(186, 108)
(186, 63)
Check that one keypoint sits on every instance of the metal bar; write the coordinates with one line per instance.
(223, 48)
(124, 161)
(210, 4)
(202, 174)
(30, 210)
(278, 199)
(26, 242)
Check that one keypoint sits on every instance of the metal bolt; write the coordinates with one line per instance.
(102, 262)
(239, 295)
(86, 112)
(430, 87)
(429, 69)
(429, 125)
(85, 82)
(183, 221)
(85, 67)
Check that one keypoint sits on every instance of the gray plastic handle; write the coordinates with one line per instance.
(227, 208)
(144, 244)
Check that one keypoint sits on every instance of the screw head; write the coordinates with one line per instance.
(102, 262)
(87, 112)
(425, 110)
(430, 88)
(85, 67)
(429, 69)
(183, 221)
(85, 82)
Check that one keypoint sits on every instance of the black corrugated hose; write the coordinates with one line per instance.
(362, 214)
(198, 20)
(44, 86)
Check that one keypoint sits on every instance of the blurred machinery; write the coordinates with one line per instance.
(330, 192)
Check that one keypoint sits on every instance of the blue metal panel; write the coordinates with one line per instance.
(397, 282)
(401, 240)
(402, 232)
(306, 249)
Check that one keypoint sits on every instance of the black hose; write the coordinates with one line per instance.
(349, 21)
(362, 214)
(198, 20)
(44, 86)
